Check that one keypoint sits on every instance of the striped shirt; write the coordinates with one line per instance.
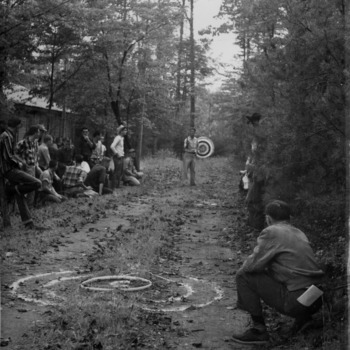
(28, 151)
(8, 159)
(73, 176)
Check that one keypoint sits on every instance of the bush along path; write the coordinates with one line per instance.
(149, 268)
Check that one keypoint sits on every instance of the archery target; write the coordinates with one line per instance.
(205, 147)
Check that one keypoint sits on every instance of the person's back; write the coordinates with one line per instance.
(44, 153)
(96, 176)
(73, 176)
(294, 262)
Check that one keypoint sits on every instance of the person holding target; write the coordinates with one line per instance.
(189, 157)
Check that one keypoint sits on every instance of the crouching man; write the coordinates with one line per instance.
(131, 176)
(280, 270)
(47, 193)
(97, 178)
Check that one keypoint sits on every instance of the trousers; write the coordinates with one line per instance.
(25, 184)
(254, 287)
(189, 162)
(118, 171)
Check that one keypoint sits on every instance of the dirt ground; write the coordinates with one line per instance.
(192, 299)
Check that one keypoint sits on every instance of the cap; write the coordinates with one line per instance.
(42, 127)
(120, 128)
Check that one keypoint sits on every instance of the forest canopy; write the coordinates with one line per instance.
(139, 58)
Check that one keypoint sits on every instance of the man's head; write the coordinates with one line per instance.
(131, 152)
(105, 162)
(3, 125)
(48, 140)
(122, 130)
(14, 123)
(97, 135)
(192, 132)
(85, 131)
(53, 164)
(254, 119)
(42, 128)
(79, 158)
(277, 211)
(33, 132)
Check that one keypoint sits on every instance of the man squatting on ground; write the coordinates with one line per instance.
(279, 271)
(189, 157)
(131, 175)
(73, 179)
(117, 148)
(97, 178)
(12, 168)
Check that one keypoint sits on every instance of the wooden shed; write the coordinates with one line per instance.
(32, 110)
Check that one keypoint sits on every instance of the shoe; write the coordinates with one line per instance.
(301, 325)
(31, 226)
(251, 336)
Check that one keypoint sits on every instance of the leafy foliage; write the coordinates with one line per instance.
(293, 75)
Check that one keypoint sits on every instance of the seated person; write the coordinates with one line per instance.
(280, 269)
(73, 179)
(97, 178)
(131, 176)
(47, 193)
(66, 156)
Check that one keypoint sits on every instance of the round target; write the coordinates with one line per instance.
(205, 147)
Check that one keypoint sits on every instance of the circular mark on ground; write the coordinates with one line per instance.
(122, 282)
(160, 294)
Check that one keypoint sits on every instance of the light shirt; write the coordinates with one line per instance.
(191, 145)
(98, 152)
(117, 146)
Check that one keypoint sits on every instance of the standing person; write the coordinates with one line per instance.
(280, 270)
(65, 157)
(96, 155)
(27, 150)
(131, 175)
(256, 173)
(97, 178)
(12, 169)
(6, 220)
(44, 153)
(42, 133)
(189, 157)
(85, 145)
(117, 148)
(103, 147)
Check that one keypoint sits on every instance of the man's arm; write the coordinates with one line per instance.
(9, 155)
(114, 145)
(263, 253)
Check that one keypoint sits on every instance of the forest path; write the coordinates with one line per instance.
(197, 260)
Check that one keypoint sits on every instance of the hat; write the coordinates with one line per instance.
(12, 123)
(254, 118)
(42, 127)
(120, 128)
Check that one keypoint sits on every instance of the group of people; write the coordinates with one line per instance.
(36, 170)
(282, 270)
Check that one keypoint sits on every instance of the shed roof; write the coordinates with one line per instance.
(20, 94)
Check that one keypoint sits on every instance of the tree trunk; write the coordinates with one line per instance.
(192, 79)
